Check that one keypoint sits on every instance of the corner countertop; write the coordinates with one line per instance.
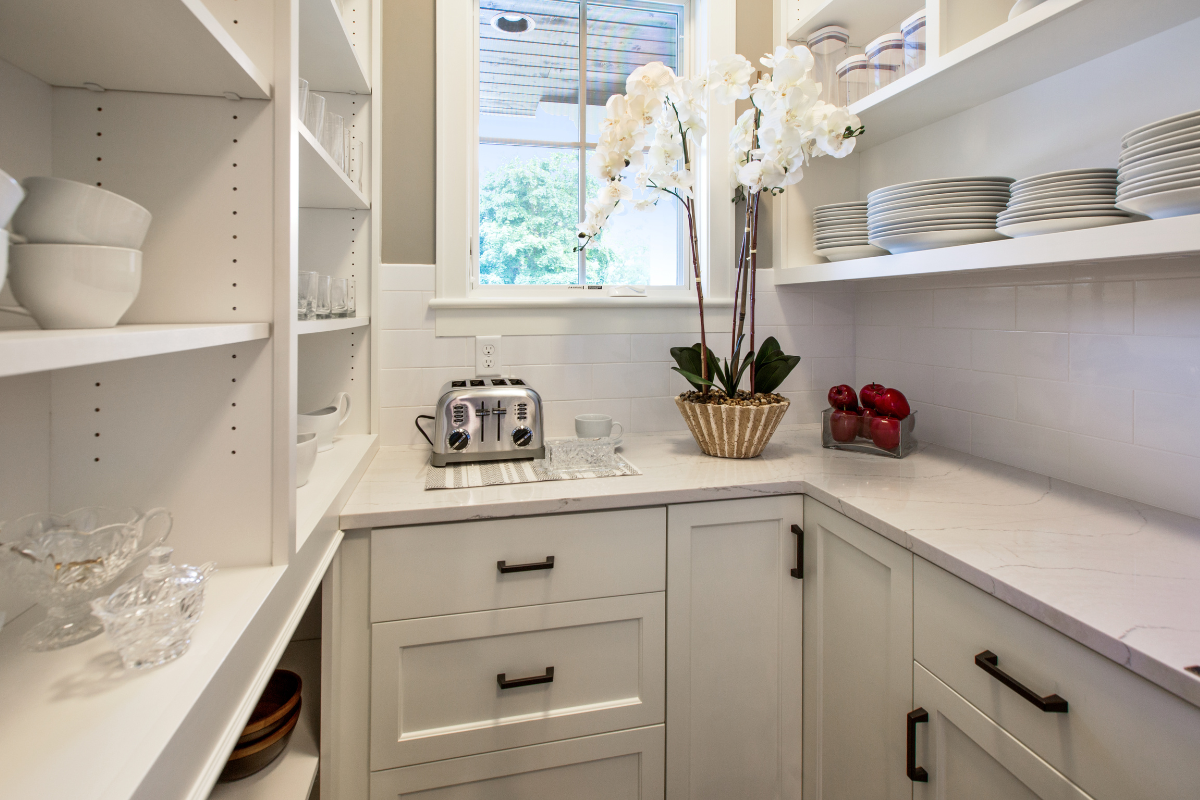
(1120, 577)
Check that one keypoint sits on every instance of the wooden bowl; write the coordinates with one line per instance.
(278, 700)
(258, 755)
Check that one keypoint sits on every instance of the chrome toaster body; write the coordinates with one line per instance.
(487, 419)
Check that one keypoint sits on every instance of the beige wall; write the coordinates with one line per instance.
(409, 135)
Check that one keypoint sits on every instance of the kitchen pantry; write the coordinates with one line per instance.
(355, 444)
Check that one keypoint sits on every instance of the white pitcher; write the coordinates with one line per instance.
(324, 422)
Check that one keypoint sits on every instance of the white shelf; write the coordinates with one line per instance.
(865, 19)
(324, 325)
(25, 351)
(291, 775)
(334, 477)
(1162, 238)
(75, 712)
(171, 46)
(322, 182)
(328, 58)
(1050, 38)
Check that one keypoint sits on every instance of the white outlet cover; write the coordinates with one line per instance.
(489, 362)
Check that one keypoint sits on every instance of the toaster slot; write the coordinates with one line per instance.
(499, 382)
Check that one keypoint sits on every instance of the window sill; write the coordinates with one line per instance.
(524, 316)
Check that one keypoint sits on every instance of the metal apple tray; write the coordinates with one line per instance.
(863, 444)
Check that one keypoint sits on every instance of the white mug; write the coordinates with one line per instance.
(324, 422)
(596, 426)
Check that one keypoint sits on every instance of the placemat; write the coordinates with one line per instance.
(495, 473)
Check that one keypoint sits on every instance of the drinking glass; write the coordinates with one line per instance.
(306, 296)
(351, 298)
(314, 115)
(331, 137)
(337, 297)
(324, 289)
(302, 104)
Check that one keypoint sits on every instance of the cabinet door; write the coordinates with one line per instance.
(967, 756)
(858, 659)
(733, 650)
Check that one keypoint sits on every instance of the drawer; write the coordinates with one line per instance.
(436, 693)
(431, 570)
(627, 765)
(1121, 738)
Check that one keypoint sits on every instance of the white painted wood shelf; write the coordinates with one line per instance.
(171, 46)
(292, 774)
(322, 182)
(26, 351)
(329, 61)
(76, 712)
(1162, 238)
(323, 325)
(865, 19)
(334, 478)
(1044, 41)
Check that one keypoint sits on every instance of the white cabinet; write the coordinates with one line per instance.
(734, 650)
(967, 756)
(858, 601)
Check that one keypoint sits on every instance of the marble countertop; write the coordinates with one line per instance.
(1120, 577)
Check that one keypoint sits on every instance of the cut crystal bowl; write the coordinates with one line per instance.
(64, 560)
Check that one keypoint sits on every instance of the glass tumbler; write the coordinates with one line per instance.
(351, 298)
(913, 30)
(314, 114)
(829, 48)
(337, 297)
(302, 102)
(852, 80)
(331, 137)
(306, 295)
(885, 56)
(324, 290)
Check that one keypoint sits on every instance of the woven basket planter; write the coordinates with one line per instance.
(732, 431)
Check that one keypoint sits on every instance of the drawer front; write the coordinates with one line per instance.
(627, 765)
(436, 693)
(1121, 738)
(431, 570)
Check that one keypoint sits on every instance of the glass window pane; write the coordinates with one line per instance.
(528, 210)
(529, 70)
(640, 248)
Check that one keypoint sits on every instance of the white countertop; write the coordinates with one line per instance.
(1120, 577)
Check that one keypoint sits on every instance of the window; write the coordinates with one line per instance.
(534, 143)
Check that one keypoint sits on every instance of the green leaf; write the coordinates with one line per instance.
(769, 377)
(693, 379)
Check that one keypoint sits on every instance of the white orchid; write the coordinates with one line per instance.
(650, 81)
(729, 79)
(789, 65)
(829, 127)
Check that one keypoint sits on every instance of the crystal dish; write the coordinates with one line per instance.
(582, 455)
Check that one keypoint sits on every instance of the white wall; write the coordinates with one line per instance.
(625, 375)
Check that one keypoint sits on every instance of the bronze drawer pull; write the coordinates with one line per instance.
(515, 682)
(505, 569)
(989, 663)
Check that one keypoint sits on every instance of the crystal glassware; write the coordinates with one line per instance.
(337, 297)
(64, 560)
(331, 138)
(150, 618)
(582, 455)
(314, 115)
(351, 298)
(306, 296)
(322, 308)
(302, 100)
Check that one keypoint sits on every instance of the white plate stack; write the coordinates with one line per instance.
(1159, 168)
(840, 232)
(922, 215)
(1068, 200)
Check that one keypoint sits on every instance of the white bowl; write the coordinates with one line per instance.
(60, 211)
(306, 457)
(75, 285)
(11, 195)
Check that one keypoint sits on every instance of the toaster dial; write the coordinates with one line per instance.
(459, 439)
(522, 436)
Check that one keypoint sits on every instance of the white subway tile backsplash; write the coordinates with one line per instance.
(414, 387)
(827, 372)
(1028, 353)
(558, 381)
(1043, 450)
(948, 427)
(833, 309)
(559, 416)
(980, 392)
(653, 415)
(405, 310)
(577, 349)
(806, 407)
(1158, 363)
(1167, 308)
(985, 307)
(783, 308)
(1105, 412)
(1152, 476)
(636, 379)
(939, 347)
(894, 308)
(1044, 307)
(1161, 421)
(397, 426)
(1105, 307)
(407, 277)
(407, 349)
(877, 341)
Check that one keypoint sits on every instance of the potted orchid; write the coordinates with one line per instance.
(655, 128)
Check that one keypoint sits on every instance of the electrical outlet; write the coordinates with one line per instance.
(488, 361)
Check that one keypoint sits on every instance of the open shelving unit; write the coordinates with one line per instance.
(324, 325)
(322, 183)
(334, 476)
(329, 57)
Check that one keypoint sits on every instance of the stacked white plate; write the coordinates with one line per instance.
(1062, 201)
(922, 215)
(1159, 168)
(840, 231)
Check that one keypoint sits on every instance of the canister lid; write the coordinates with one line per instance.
(828, 39)
(917, 20)
(851, 64)
(888, 42)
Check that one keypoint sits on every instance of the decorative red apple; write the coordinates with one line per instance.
(870, 394)
(843, 398)
(843, 425)
(885, 432)
(864, 426)
(892, 403)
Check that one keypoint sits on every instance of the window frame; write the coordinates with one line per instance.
(708, 35)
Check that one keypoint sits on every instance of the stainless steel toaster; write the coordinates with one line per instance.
(487, 419)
